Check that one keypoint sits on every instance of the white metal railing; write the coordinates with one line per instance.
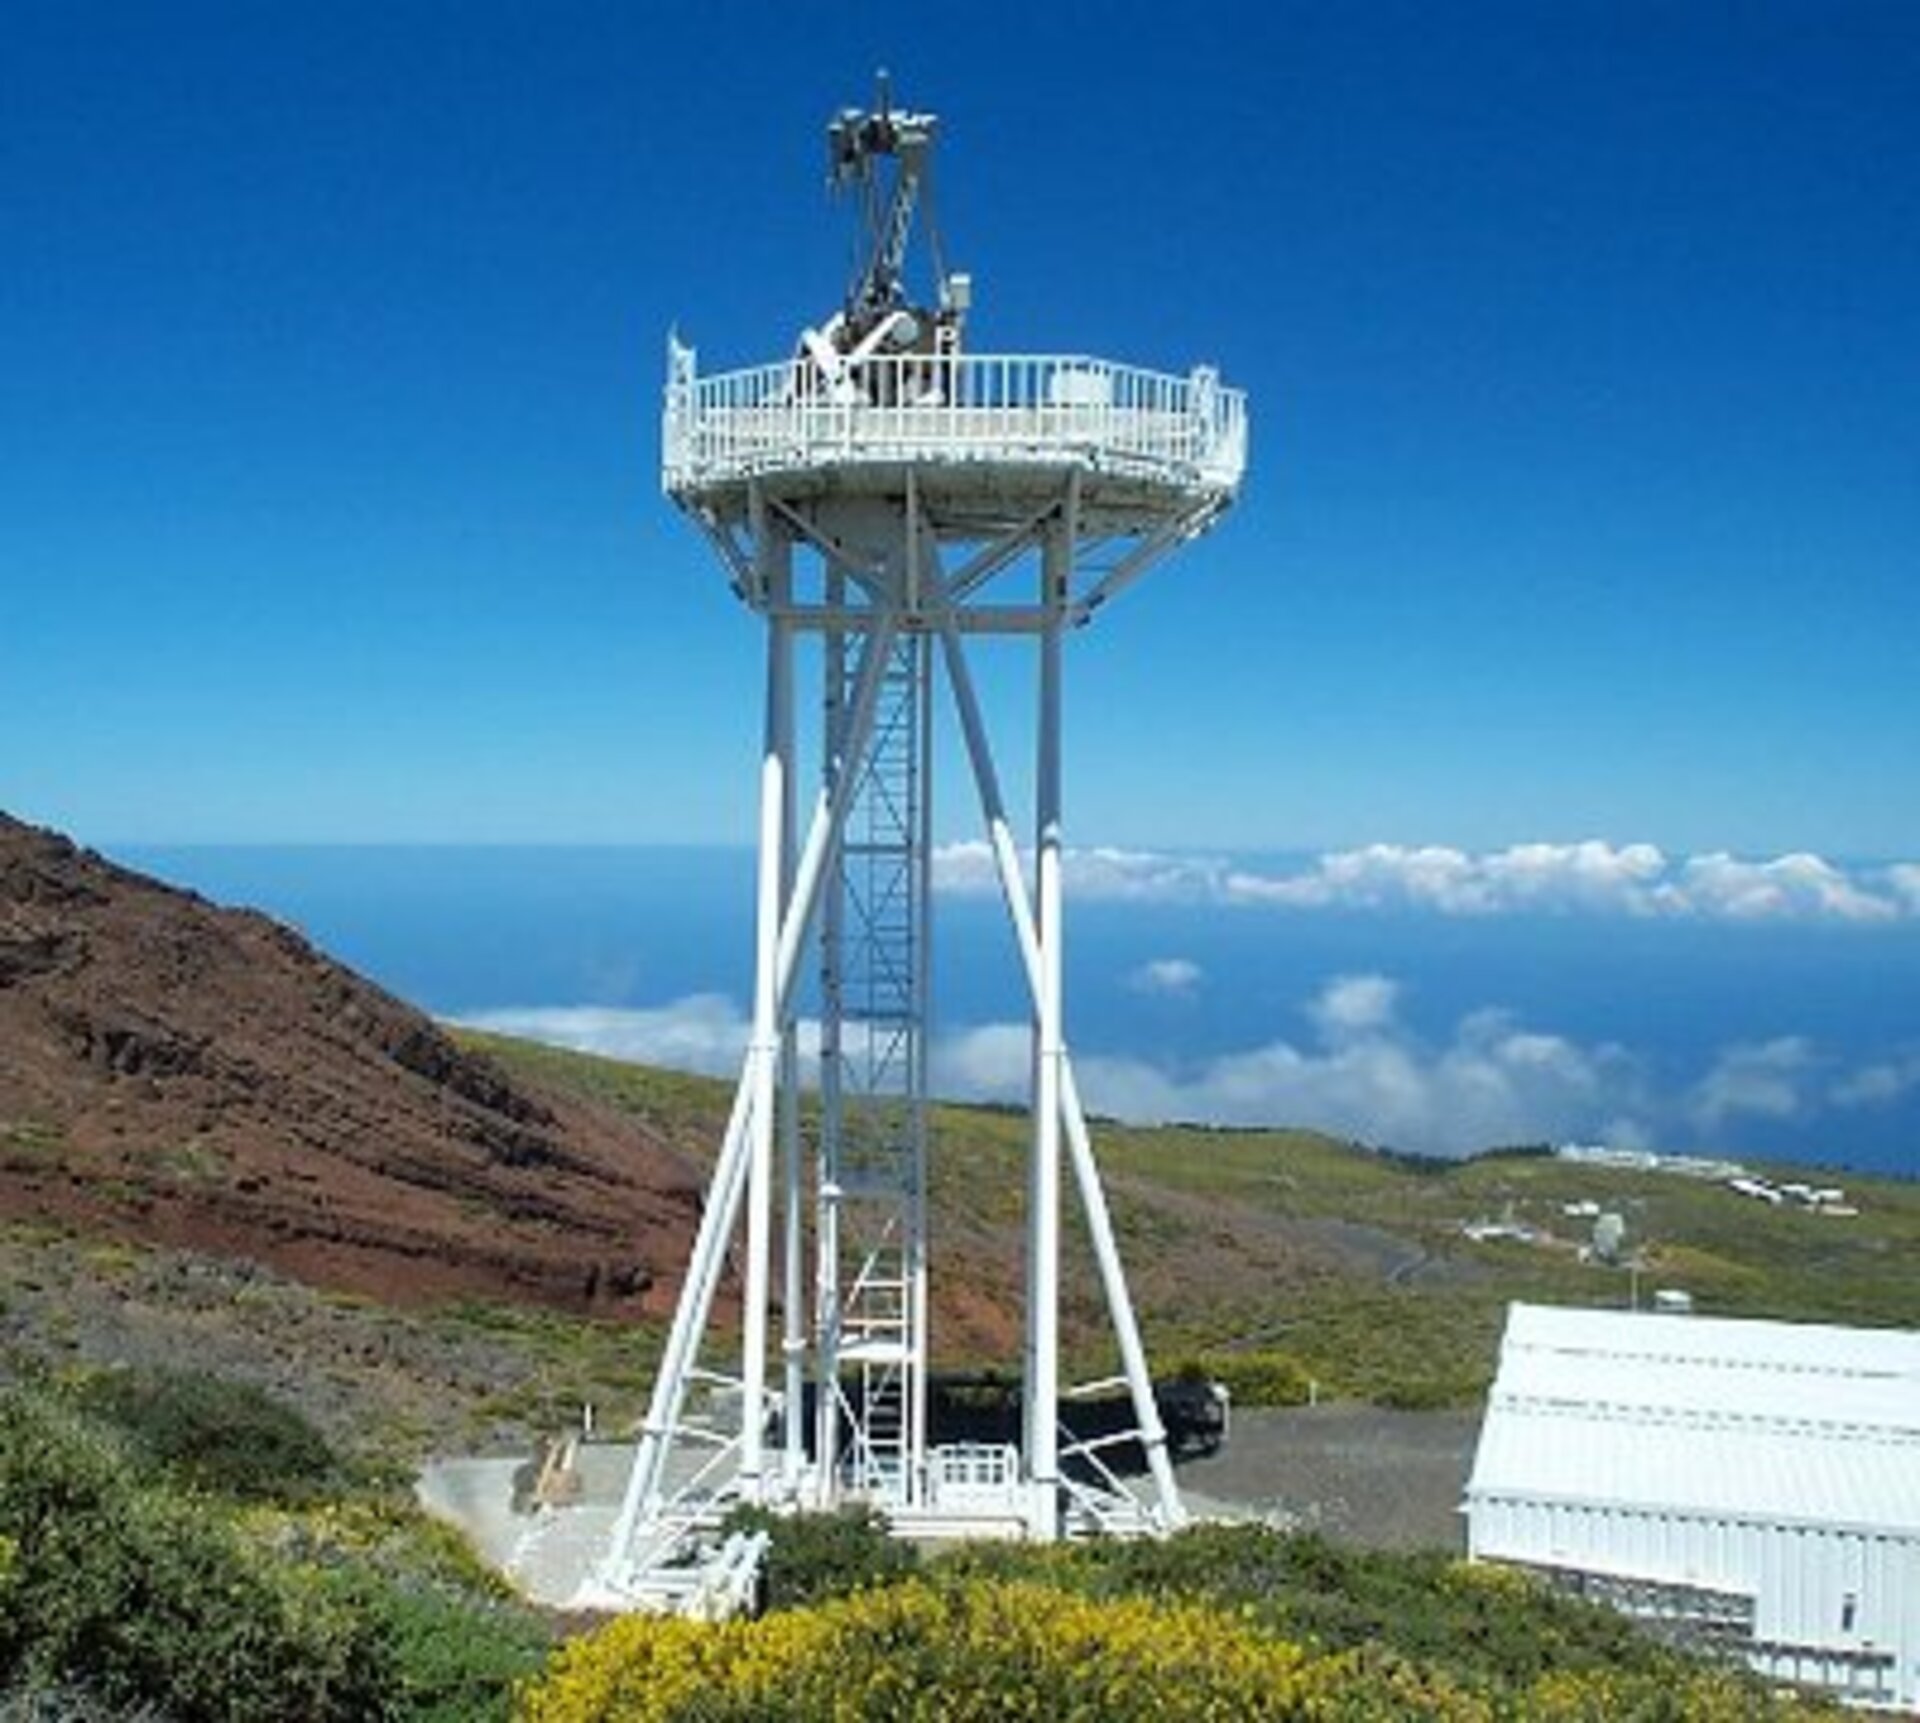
(959, 1473)
(974, 407)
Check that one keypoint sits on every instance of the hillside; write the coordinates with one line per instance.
(181, 1074)
(1283, 1258)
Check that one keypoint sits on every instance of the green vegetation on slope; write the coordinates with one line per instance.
(1288, 1263)
(219, 1589)
(225, 1438)
(174, 1541)
(378, 1381)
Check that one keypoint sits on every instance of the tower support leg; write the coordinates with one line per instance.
(764, 1049)
(1133, 1356)
(874, 812)
(1042, 1385)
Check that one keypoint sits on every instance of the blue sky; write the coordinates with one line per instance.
(1583, 343)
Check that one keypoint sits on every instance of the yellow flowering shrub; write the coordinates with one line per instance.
(1711, 1696)
(1466, 1578)
(987, 1648)
(980, 1652)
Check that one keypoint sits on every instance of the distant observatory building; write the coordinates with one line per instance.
(1748, 1485)
(882, 496)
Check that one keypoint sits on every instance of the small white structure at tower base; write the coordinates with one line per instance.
(1748, 1486)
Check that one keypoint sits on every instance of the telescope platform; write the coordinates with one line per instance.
(987, 438)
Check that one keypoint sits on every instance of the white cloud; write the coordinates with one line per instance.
(992, 1062)
(1133, 876)
(1368, 1077)
(1377, 877)
(1879, 1084)
(1365, 1076)
(707, 1033)
(1797, 887)
(1591, 877)
(1361, 1072)
(966, 869)
(1355, 1004)
(703, 1032)
(1097, 875)
(1170, 977)
(1762, 1079)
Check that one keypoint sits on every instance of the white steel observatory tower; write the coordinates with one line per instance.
(880, 498)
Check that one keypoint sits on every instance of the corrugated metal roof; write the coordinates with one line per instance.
(1752, 1420)
(1817, 1348)
(1699, 1390)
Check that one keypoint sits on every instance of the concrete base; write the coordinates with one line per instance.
(548, 1553)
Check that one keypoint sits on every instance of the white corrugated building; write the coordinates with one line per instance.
(1756, 1484)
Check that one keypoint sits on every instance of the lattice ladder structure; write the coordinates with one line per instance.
(871, 1218)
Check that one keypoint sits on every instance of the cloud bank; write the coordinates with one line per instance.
(704, 1033)
(1588, 878)
(1360, 1072)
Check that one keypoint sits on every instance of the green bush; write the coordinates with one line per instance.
(453, 1661)
(1425, 1393)
(1342, 1598)
(70, 1705)
(950, 1653)
(813, 1557)
(1264, 1378)
(457, 1638)
(140, 1595)
(946, 1649)
(120, 1590)
(228, 1437)
(1482, 1628)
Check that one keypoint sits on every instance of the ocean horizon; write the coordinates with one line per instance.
(1413, 1000)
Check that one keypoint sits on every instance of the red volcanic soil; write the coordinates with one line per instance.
(203, 1077)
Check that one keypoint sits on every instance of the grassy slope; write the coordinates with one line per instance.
(384, 1384)
(1350, 1263)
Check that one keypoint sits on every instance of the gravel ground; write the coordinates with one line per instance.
(1381, 1479)
(551, 1554)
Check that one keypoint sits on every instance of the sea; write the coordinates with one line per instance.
(1404, 1026)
